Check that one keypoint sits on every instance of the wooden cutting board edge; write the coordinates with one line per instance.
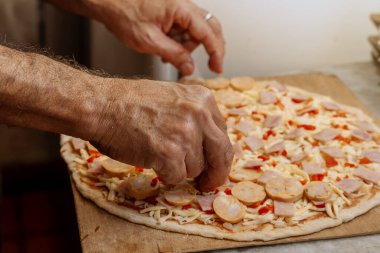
(226, 244)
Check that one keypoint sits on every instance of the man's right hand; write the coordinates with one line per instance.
(175, 129)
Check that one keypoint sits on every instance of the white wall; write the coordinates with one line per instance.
(274, 36)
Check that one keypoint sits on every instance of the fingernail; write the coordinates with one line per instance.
(186, 68)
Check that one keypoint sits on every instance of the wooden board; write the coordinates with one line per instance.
(103, 232)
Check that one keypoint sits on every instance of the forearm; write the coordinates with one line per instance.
(40, 93)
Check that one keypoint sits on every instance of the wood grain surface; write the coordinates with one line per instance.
(103, 232)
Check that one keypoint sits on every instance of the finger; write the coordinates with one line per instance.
(172, 172)
(201, 31)
(195, 161)
(160, 44)
(219, 154)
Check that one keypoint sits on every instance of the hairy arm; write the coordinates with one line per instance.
(38, 92)
(175, 129)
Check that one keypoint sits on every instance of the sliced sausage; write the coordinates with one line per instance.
(284, 189)
(217, 83)
(248, 192)
(268, 175)
(243, 83)
(228, 208)
(318, 191)
(179, 197)
(228, 98)
(139, 186)
(116, 168)
(241, 174)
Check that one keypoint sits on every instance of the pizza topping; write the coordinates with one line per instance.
(312, 168)
(116, 168)
(365, 160)
(228, 98)
(284, 189)
(330, 106)
(308, 109)
(205, 202)
(78, 144)
(242, 174)
(267, 97)
(349, 185)
(179, 196)
(365, 125)
(268, 175)
(217, 83)
(326, 134)
(95, 168)
(139, 187)
(295, 133)
(243, 83)
(253, 164)
(277, 147)
(372, 155)
(367, 174)
(253, 142)
(265, 209)
(248, 192)
(228, 208)
(319, 191)
(239, 153)
(330, 161)
(360, 135)
(272, 121)
(244, 127)
(276, 85)
(237, 112)
(286, 209)
(299, 98)
(298, 157)
(334, 152)
(307, 127)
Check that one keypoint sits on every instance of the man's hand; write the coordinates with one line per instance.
(171, 29)
(175, 129)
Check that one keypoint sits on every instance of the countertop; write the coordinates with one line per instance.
(363, 79)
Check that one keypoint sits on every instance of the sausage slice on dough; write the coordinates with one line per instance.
(228, 208)
(243, 83)
(284, 189)
(179, 196)
(217, 83)
(318, 191)
(241, 174)
(248, 192)
(139, 187)
(116, 168)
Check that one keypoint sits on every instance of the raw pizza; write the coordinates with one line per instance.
(302, 163)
